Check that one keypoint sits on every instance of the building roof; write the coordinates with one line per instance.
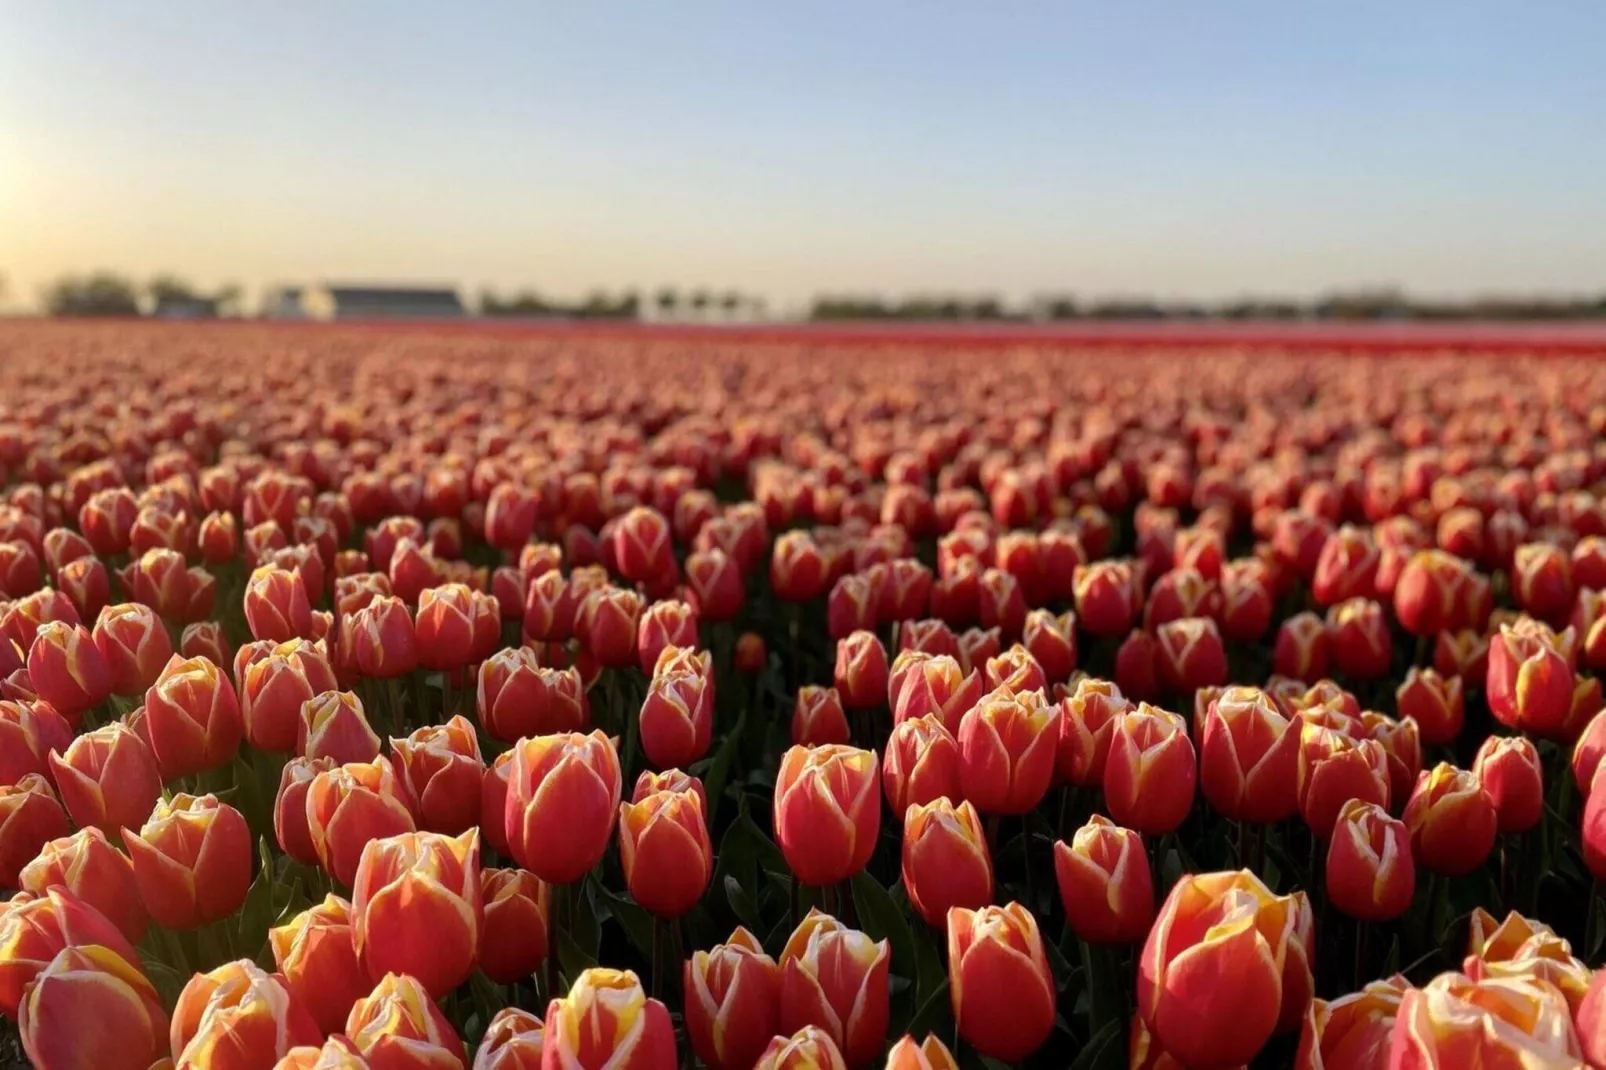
(410, 296)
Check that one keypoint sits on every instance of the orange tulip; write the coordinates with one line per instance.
(945, 859)
(337, 1053)
(133, 643)
(930, 1054)
(441, 768)
(90, 1010)
(835, 978)
(66, 669)
(1369, 872)
(810, 1048)
(30, 817)
(238, 1016)
(1150, 775)
(1454, 1021)
(107, 778)
(314, 952)
(1226, 965)
(29, 732)
(921, 764)
(416, 908)
(827, 812)
(1105, 883)
(1518, 947)
(333, 725)
(35, 929)
(606, 1020)
(349, 805)
(273, 688)
(1335, 768)
(192, 861)
(1351, 1032)
(562, 801)
(1452, 821)
(665, 851)
(514, 1040)
(88, 867)
(193, 717)
(399, 1025)
(513, 942)
(1249, 760)
(998, 980)
(733, 997)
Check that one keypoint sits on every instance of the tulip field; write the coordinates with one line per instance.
(412, 697)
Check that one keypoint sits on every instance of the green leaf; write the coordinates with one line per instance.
(636, 922)
(742, 904)
(719, 769)
(933, 1010)
(1098, 1048)
(881, 919)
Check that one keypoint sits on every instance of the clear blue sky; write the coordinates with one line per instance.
(1184, 149)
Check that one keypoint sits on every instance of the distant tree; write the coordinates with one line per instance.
(730, 303)
(99, 294)
(170, 288)
(668, 299)
(699, 302)
(228, 298)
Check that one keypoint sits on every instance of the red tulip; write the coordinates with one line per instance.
(1346, 567)
(716, 579)
(606, 623)
(349, 805)
(999, 982)
(277, 605)
(514, 1040)
(1335, 768)
(238, 1016)
(945, 860)
(274, 688)
(1107, 597)
(441, 768)
(1249, 760)
(90, 869)
(664, 624)
(677, 716)
(549, 608)
(827, 812)
(66, 669)
(733, 996)
(818, 717)
(30, 817)
(921, 764)
(810, 1048)
(1358, 642)
(107, 779)
(398, 1025)
(642, 544)
(1530, 685)
(1369, 871)
(1455, 1021)
(1302, 647)
(934, 685)
(562, 801)
(192, 861)
(444, 627)
(861, 672)
(1434, 702)
(35, 929)
(665, 851)
(416, 908)
(315, 955)
(380, 639)
(193, 717)
(1351, 1032)
(92, 984)
(1427, 593)
(133, 644)
(205, 639)
(514, 940)
(1086, 726)
(1105, 883)
(1509, 770)
(835, 978)
(1542, 580)
(1007, 746)
(1150, 775)
(86, 584)
(606, 1020)
(516, 697)
(29, 731)
(1452, 821)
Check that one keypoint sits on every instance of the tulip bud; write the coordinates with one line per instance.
(1358, 642)
(67, 670)
(515, 1040)
(516, 697)
(30, 817)
(444, 629)
(716, 580)
(797, 567)
(818, 717)
(349, 805)
(1402, 746)
(1542, 579)
(1335, 768)
(932, 1054)
(29, 731)
(1191, 654)
(1151, 772)
(999, 982)
(513, 941)
(62, 546)
(562, 801)
(751, 654)
(86, 583)
(239, 1016)
(1086, 726)
(1107, 597)
(1051, 640)
(642, 545)
(921, 764)
(1346, 567)
(276, 604)
(1530, 684)
(1105, 883)
(1352, 1031)
(1509, 770)
(1434, 702)
(836, 978)
(861, 672)
(677, 717)
(607, 1017)
(337, 1053)
(290, 808)
(664, 624)
(275, 687)
(35, 929)
(1015, 670)
(827, 812)
(1427, 592)
(810, 1048)
(733, 998)
(107, 519)
(1452, 821)
(1369, 872)
(853, 605)
(107, 779)
(192, 861)
(1224, 949)
(1006, 751)
(1301, 650)
(665, 852)
(936, 685)
(92, 984)
(441, 768)
(607, 623)
(382, 640)
(193, 717)
(90, 869)
(1455, 1021)
(133, 643)
(416, 908)
(945, 859)
(315, 955)
(399, 1025)
(549, 608)
(1249, 759)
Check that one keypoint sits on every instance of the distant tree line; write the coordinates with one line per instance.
(667, 304)
(106, 293)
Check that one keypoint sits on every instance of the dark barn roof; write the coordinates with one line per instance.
(395, 301)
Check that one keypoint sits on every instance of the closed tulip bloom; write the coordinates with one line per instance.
(677, 717)
(861, 673)
(818, 717)
(1509, 770)
(1588, 751)
(218, 538)
(1105, 883)
(549, 609)
(1402, 746)
(290, 808)
(89, 868)
(1107, 597)
(416, 908)
(853, 605)
(514, 941)
(1352, 1032)
(1016, 670)
(86, 584)
(1434, 702)
(1455, 1021)
(1530, 683)
(398, 1025)
(160, 579)
(349, 805)
(1007, 748)
(1370, 873)
(929, 636)
(514, 1040)
(107, 779)
(1346, 567)
(1051, 640)
(441, 768)
(921, 764)
(562, 802)
(609, 622)
(1150, 776)
(1452, 821)
(1087, 724)
(1427, 593)
(1226, 965)
(1191, 654)
(733, 999)
(333, 725)
(277, 606)
(106, 519)
(642, 544)
(89, 1009)
(1518, 947)
(664, 624)
(998, 980)
(810, 1048)
(63, 546)
(835, 978)
(517, 697)
(1358, 642)
(930, 1054)
(665, 851)
(607, 1021)
(827, 812)
(238, 1016)
(193, 717)
(945, 860)
(1249, 758)
(381, 638)
(444, 627)
(1335, 768)
(1301, 649)
(1542, 580)
(205, 639)
(315, 955)
(133, 643)
(30, 817)
(715, 579)
(192, 861)
(67, 670)
(337, 1053)
(35, 929)
(935, 685)
(274, 687)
